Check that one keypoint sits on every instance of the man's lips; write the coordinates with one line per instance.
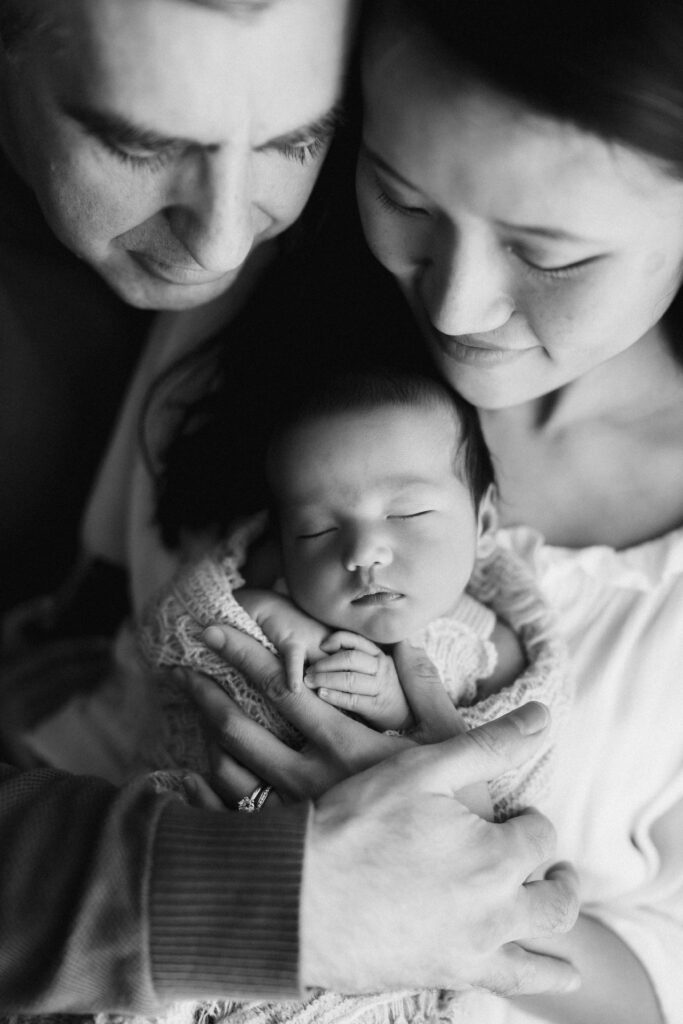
(174, 273)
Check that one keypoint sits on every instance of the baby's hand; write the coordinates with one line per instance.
(296, 636)
(357, 676)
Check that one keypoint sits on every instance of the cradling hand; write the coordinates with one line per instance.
(393, 853)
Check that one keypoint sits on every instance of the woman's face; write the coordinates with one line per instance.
(529, 251)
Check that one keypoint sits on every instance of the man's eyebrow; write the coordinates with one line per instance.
(320, 128)
(118, 128)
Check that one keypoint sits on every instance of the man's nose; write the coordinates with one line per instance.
(466, 285)
(212, 213)
(366, 548)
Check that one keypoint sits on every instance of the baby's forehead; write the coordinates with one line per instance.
(400, 446)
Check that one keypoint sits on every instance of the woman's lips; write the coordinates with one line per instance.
(473, 351)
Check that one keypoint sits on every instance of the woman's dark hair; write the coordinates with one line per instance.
(612, 67)
(388, 387)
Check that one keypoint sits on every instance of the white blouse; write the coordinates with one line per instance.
(617, 796)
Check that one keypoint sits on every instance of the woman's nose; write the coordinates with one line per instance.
(212, 213)
(466, 286)
(365, 549)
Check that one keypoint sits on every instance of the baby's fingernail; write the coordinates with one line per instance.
(213, 638)
(531, 718)
(308, 681)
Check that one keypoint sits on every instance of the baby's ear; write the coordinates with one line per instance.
(487, 522)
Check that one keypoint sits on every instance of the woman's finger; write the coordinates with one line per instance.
(345, 640)
(249, 743)
(433, 710)
(229, 778)
(199, 793)
(322, 725)
(246, 654)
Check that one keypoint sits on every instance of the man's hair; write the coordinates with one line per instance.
(21, 20)
(386, 387)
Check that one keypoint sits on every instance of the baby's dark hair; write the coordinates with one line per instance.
(362, 390)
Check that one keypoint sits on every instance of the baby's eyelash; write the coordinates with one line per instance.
(412, 515)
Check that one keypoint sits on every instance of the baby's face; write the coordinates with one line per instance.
(378, 534)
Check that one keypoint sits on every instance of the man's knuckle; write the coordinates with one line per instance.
(540, 835)
(562, 908)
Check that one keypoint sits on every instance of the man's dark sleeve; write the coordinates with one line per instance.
(124, 899)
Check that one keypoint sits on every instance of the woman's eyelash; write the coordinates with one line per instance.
(390, 204)
(568, 270)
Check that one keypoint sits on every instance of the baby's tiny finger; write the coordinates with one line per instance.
(346, 661)
(345, 640)
(357, 702)
(343, 682)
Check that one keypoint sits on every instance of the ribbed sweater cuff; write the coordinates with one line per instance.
(224, 903)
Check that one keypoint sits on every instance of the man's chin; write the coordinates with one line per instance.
(136, 288)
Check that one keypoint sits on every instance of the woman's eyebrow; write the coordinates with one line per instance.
(387, 168)
(541, 231)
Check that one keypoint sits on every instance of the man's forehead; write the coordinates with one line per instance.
(20, 16)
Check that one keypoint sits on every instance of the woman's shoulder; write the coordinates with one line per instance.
(646, 566)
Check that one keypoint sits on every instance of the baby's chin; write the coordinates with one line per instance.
(385, 629)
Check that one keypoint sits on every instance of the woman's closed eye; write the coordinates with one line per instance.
(561, 270)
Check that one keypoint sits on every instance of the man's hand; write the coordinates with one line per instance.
(404, 887)
(356, 675)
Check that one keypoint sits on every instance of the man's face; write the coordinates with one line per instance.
(164, 139)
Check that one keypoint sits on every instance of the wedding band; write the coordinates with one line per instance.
(250, 804)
